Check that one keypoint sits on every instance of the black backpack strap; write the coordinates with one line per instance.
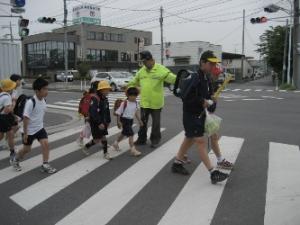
(33, 102)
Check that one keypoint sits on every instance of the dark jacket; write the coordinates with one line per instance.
(202, 90)
(99, 110)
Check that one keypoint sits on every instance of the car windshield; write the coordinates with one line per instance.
(121, 74)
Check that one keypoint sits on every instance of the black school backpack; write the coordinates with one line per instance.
(185, 80)
(20, 104)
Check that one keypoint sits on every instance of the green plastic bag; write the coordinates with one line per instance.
(212, 123)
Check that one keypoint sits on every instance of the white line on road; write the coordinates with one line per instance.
(236, 89)
(62, 107)
(9, 173)
(51, 138)
(257, 90)
(272, 97)
(44, 189)
(270, 90)
(247, 90)
(199, 195)
(121, 190)
(252, 99)
(283, 192)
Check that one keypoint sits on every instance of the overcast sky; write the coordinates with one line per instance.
(215, 21)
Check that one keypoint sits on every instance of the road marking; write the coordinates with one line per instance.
(247, 90)
(252, 99)
(282, 90)
(51, 138)
(62, 107)
(44, 189)
(296, 91)
(67, 103)
(199, 195)
(236, 89)
(272, 97)
(9, 173)
(270, 90)
(258, 90)
(283, 192)
(121, 190)
(229, 100)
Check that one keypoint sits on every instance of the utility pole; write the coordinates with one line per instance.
(285, 50)
(296, 55)
(11, 33)
(243, 45)
(66, 40)
(161, 36)
(288, 79)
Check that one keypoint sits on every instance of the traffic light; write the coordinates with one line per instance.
(271, 8)
(23, 30)
(262, 19)
(17, 3)
(46, 20)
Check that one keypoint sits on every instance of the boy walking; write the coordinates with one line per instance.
(99, 117)
(194, 104)
(125, 115)
(33, 126)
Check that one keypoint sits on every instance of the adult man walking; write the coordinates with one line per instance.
(150, 78)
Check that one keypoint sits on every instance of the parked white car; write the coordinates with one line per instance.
(117, 80)
(60, 75)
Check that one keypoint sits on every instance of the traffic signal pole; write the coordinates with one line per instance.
(243, 46)
(66, 40)
(296, 54)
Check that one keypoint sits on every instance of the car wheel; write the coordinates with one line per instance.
(113, 87)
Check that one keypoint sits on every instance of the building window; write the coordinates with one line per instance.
(91, 35)
(100, 36)
(106, 36)
(125, 57)
(97, 55)
(135, 40)
(146, 41)
(49, 54)
(120, 38)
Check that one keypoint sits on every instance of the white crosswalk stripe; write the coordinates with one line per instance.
(72, 105)
(197, 195)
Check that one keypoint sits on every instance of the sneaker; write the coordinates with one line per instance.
(217, 176)
(107, 156)
(179, 168)
(11, 158)
(225, 165)
(85, 150)
(16, 165)
(46, 168)
(79, 141)
(116, 147)
(140, 142)
(135, 152)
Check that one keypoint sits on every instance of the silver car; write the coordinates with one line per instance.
(117, 80)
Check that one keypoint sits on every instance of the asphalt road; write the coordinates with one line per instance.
(143, 191)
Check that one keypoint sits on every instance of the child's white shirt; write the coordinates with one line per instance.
(130, 109)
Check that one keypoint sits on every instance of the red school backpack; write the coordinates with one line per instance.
(84, 104)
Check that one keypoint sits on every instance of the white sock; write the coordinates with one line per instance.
(220, 159)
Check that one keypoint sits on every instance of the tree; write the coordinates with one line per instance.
(271, 47)
(83, 69)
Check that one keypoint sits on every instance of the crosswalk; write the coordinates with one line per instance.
(116, 184)
(72, 105)
(258, 90)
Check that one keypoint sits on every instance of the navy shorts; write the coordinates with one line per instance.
(98, 133)
(7, 121)
(193, 124)
(127, 127)
(41, 134)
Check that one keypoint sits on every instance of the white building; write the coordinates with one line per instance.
(183, 53)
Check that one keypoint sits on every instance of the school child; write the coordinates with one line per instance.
(7, 119)
(99, 117)
(33, 126)
(125, 113)
(83, 110)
